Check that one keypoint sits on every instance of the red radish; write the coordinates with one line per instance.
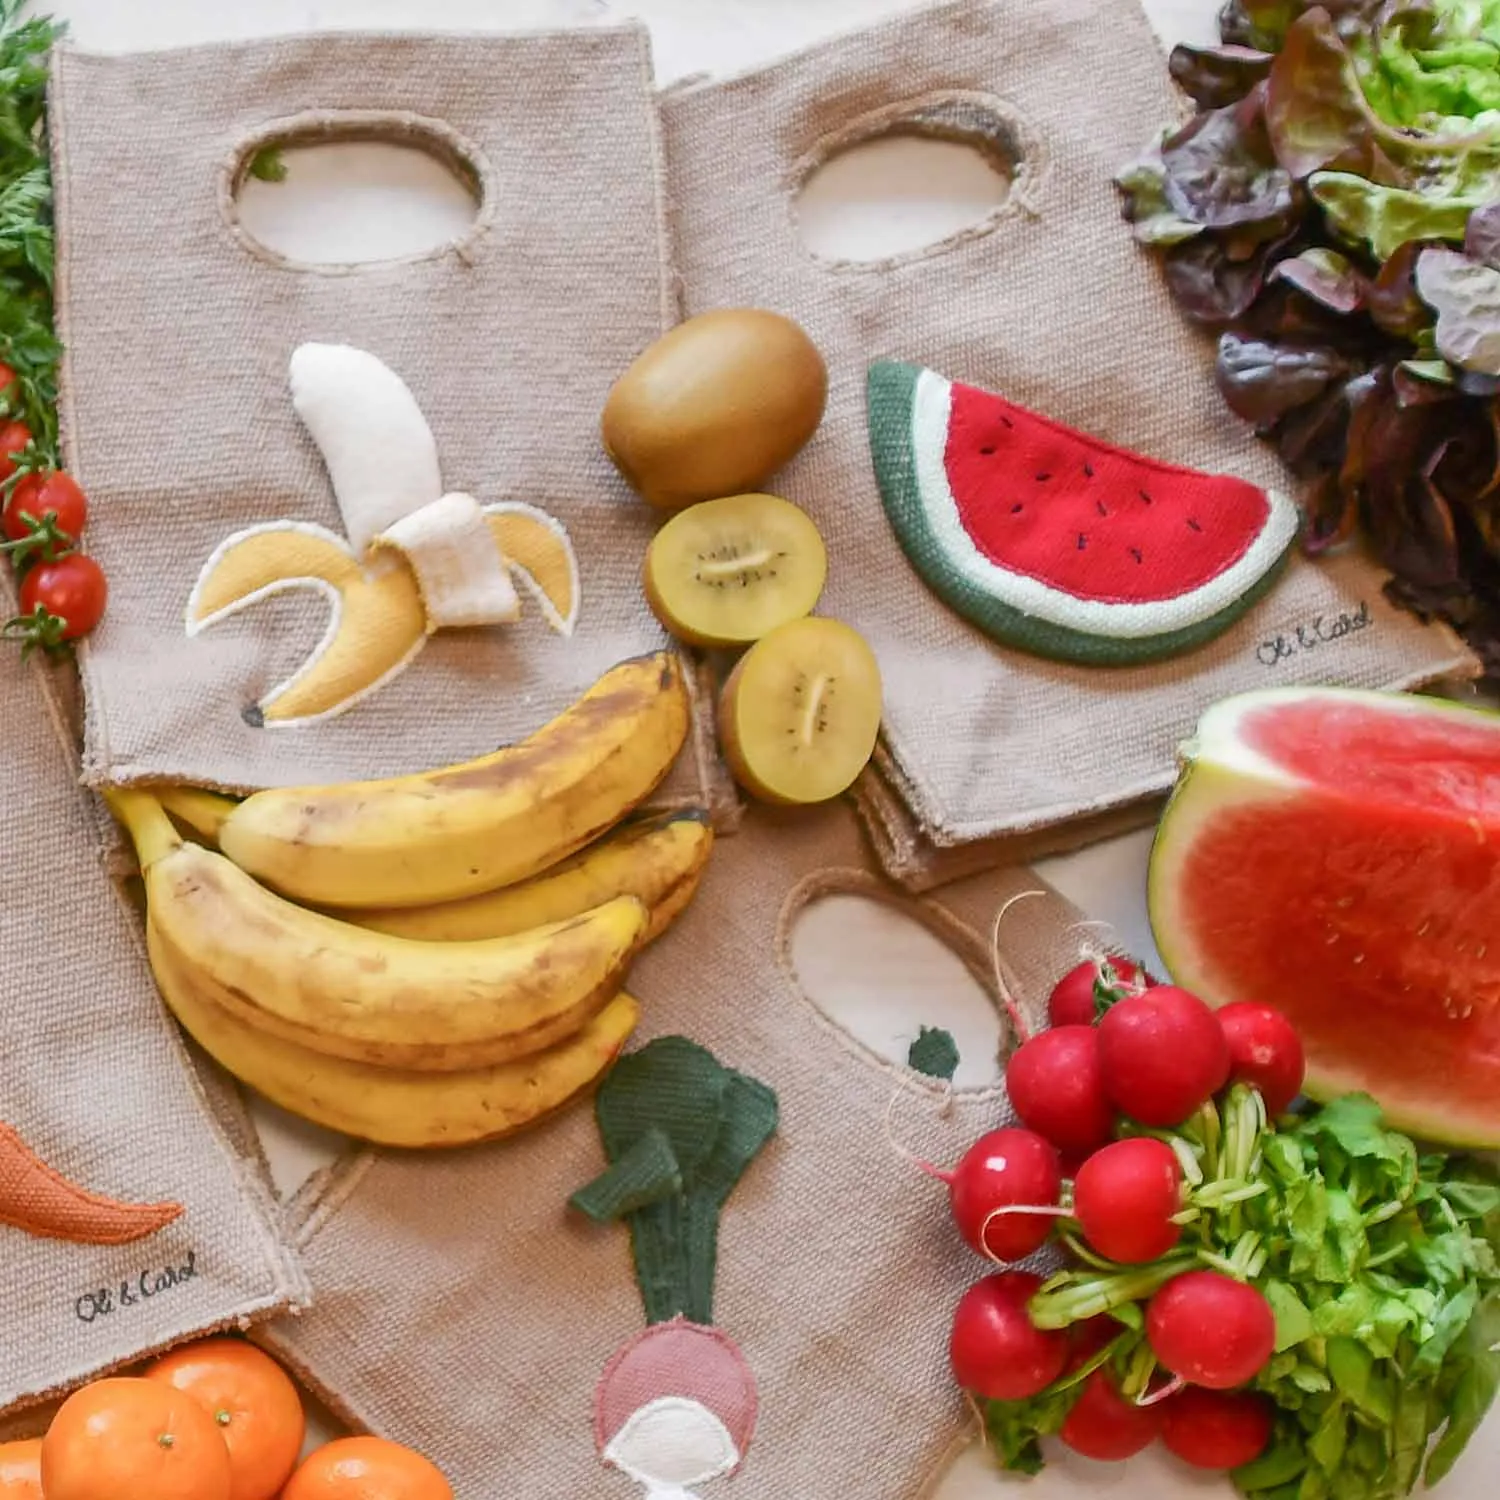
(1163, 1054)
(1057, 1087)
(1217, 1429)
(1076, 997)
(996, 1350)
(1105, 1426)
(1004, 1169)
(1264, 1050)
(1124, 1197)
(1210, 1329)
(1087, 1338)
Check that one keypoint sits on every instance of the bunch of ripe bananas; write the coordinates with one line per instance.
(434, 959)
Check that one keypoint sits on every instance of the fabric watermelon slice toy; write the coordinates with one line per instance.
(1336, 854)
(1058, 543)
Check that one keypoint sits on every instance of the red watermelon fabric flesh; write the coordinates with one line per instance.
(1337, 854)
(1057, 542)
(1134, 530)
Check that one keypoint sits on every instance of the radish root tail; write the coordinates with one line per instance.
(1166, 1393)
(905, 1152)
(1035, 1210)
(1004, 976)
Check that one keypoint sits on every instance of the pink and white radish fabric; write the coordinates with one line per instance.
(675, 1408)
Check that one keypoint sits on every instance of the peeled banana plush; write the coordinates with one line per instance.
(449, 834)
(387, 1106)
(341, 990)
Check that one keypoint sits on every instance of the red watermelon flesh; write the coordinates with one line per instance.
(1337, 854)
(1138, 531)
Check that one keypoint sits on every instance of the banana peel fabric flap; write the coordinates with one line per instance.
(357, 519)
(128, 1221)
(836, 1285)
(1049, 303)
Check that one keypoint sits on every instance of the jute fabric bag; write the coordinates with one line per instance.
(130, 1218)
(838, 1264)
(415, 441)
(995, 753)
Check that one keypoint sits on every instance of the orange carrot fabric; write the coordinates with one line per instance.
(42, 1202)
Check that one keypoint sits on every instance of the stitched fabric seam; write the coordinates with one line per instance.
(1026, 175)
(437, 138)
(955, 934)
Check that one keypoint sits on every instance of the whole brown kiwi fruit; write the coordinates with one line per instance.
(715, 406)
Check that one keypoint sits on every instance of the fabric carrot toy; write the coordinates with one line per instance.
(42, 1202)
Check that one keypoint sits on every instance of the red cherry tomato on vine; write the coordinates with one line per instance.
(37, 496)
(72, 589)
(14, 437)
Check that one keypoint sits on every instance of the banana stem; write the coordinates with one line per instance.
(146, 822)
(203, 811)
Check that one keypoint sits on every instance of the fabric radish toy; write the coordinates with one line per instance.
(676, 1406)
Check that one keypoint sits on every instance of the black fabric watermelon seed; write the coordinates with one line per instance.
(1135, 552)
(1016, 510)
(1043, 478)
(1099, 506)
(1083, 541)
(1146, 497)
(1007, 421)
(1088, 471)
(1193, 525)
(987, 451)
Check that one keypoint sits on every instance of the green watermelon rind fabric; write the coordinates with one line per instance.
(892, 387)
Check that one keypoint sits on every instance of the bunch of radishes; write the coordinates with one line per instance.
(1124, 1057)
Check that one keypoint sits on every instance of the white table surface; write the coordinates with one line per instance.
(374, 196)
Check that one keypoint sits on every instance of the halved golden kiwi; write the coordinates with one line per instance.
(727, 572)
(800, 712)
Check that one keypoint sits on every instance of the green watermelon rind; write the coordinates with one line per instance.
(892, 393)
(1218, 774)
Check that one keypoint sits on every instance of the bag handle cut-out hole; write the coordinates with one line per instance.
(331, 193)
(912, 180)
(874, 971)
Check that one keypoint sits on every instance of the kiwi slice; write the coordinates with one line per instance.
(800, 712)
(726, 572)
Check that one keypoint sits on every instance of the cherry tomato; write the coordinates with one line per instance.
(73, 589)
(9, 386)
(14, 436)
(37, 496)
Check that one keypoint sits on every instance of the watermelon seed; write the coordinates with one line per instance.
(1016, 510)
(1145, 497)
(987, 451)
(1088, 471)
(1083, 541)
(1007, 421)
(1193, 525)
(1043, 478)
(1135, 552)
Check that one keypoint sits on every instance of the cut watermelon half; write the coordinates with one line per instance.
(1336, 854)
(1058, 543)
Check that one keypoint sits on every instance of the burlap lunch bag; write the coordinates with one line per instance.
(131, 1214)
(464, 1308)
(989, 752)
(356, 519)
